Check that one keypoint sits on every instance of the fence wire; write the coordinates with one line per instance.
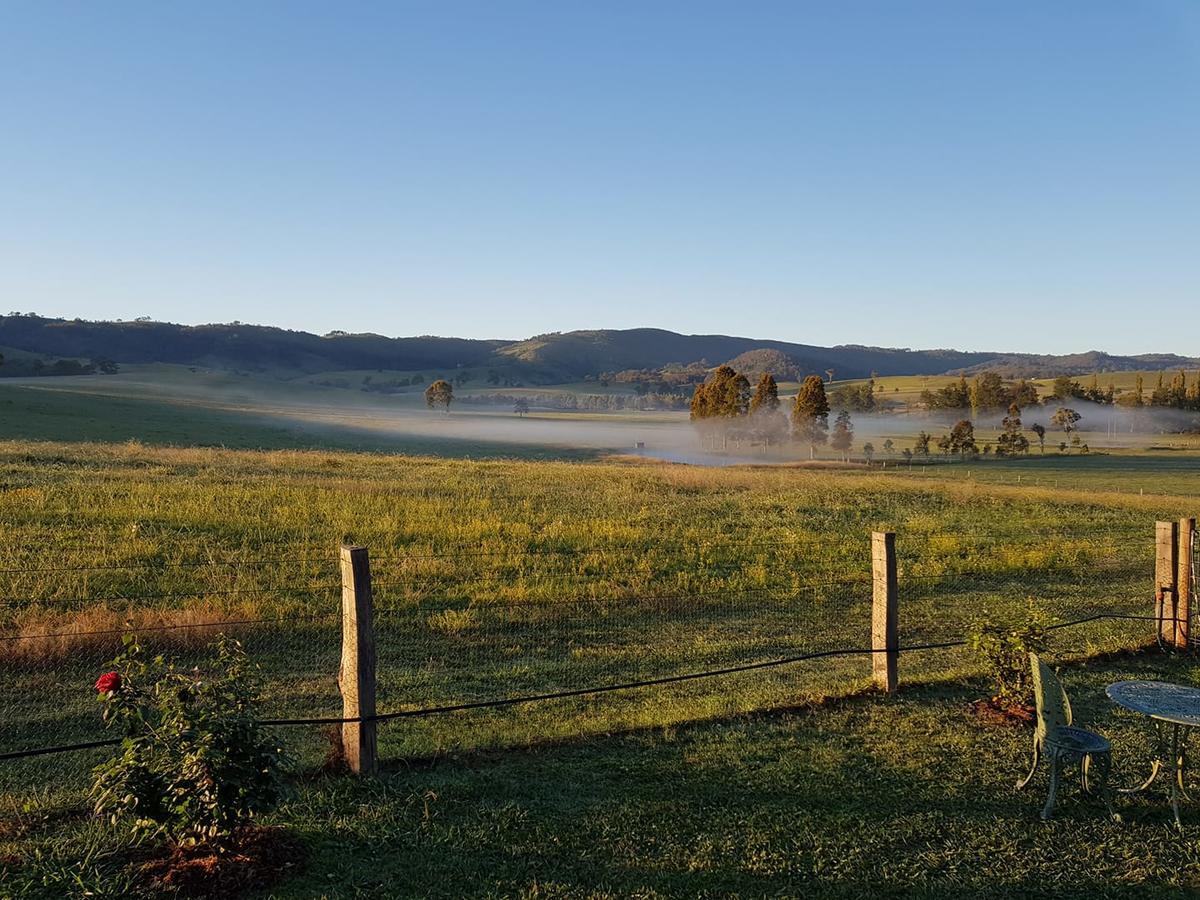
(545, 641)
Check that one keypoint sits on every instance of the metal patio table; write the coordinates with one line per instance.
(1173, 708)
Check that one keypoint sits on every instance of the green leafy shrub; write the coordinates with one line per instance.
(193, 765)
(1004, 648)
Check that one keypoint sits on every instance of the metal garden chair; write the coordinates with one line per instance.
(1063, 744)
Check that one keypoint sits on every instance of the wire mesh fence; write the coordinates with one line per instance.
(550, 639)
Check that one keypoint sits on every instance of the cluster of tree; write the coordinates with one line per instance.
(1066, 388)
(1178, 394)
(855, 397)
(673, 378)
(724, 408)
(986, 392)
(391, 385)
(39, 368)
(504, 379)
(960, 440)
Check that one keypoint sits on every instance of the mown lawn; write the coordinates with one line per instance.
(868, 796)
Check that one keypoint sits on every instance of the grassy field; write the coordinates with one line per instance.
(496, 579)
(862, 797)
(503, 577)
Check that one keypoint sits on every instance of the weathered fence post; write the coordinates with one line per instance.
(357, 676)
(1166, 594)
(885, 618)
(1183, 582)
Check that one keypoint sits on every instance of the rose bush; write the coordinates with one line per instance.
(193, 763)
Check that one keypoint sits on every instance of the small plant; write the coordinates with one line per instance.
(1004, 648)
(193, 764)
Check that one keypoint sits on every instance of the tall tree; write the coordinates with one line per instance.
(1066, 419)
(439, 393)
(961, 438)
(810, 414)
(1040, 431)
(766, 394)
(767, 424)
(1012, 441)
(843, 435)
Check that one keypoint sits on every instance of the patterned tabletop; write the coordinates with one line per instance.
(1175, 703)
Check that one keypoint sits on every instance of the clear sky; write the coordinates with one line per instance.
(983, 175)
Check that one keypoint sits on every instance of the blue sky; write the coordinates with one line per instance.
(982, 175)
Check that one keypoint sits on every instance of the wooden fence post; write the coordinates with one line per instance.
(1183, 582)
(357, 676)
(885, 618)
(1166, 596)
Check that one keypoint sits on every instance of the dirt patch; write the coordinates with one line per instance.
(989, 712)
(260, 858)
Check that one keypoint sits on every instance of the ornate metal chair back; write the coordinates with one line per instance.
(1053, 706)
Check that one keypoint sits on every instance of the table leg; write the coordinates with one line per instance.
(1177, 781)
(1159, 756)
(1182, 764)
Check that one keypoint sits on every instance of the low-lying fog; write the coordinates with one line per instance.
(662, 435)
(671, 436)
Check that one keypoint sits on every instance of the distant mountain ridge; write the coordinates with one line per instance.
(546, 359)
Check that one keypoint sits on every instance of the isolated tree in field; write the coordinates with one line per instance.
(889, 446)
(843, 435)
(868, 452)
(921, 447)
(829, 372)
(440, 393)
(810, 414)
(1040, 430)
(521, 406)
(1066, 419)
(766, 395)
(962, 438)
(1013, 440)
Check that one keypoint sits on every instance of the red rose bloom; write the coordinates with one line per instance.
(109, 681)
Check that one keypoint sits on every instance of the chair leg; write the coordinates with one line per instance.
(1055, 763)
(1037, 757)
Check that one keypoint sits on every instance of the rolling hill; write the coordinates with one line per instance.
(544, 359)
